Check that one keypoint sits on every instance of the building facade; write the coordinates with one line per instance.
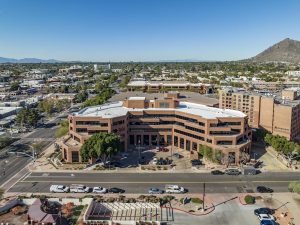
(280, 115)
(161, 122)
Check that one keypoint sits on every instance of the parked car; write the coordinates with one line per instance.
(268, 222)
(59, 189)
(217, 172)
(116, 190)
(155, 161)
(263, 211)
(79, 188)
(99, 190)
(155, 191)
(232, 171)
(265, 217)
(196, 162)
(178, 156)
(263, 189)
(174, 189)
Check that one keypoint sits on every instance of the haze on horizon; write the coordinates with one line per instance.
(135, 30)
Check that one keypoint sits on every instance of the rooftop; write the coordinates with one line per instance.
(116, 109)
(165, 83)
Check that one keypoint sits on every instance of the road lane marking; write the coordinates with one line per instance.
(151, 182)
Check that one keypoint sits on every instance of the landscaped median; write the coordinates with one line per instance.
(247, 199)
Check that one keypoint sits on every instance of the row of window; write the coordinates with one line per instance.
(189, 135)
(92, 123)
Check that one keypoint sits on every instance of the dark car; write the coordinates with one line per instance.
(217, 172)
(267, 222)
(116, 190)
(263, 211)
(263, 189)
(232, 172)
(178, 156)
(196, 162)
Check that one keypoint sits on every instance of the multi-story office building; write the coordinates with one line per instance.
(167, 121)
(158, 86)
(277, 114)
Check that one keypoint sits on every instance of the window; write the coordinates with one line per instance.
(65, 154)
(146, 139)
(181, 143)
(194, 146)
(176, 141)
(75, 156)
(169, 139)
(163, 105)
(188, 145)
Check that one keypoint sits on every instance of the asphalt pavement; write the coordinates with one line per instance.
(139, 183)
(11, 163)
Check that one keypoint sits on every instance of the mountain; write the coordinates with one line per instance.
(28, 60)
(287, 50)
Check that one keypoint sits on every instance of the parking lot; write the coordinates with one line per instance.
(229, 213)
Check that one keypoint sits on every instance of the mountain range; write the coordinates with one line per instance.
(28, 60)
(287, 50)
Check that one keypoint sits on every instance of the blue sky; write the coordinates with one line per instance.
(144, 30)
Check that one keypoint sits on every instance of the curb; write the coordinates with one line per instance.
(190, 213)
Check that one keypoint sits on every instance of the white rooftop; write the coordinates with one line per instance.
(137, 98)
(116, 109)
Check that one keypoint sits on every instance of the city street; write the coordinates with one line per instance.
(12, 164)
(141, 182)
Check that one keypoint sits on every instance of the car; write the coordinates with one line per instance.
(155, 160)
(196, 162)
(163, 149)
(263, 211)
(265, 217)
(178, 156)
(99, 190)
(263, 189)
(125, 154)
(232, 171)
(268, 222)
(174, 189)
(59, 189)
(79, 188)
(116, 190)
(217, 172)
(155, 191)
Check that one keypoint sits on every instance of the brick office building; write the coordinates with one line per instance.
(166, 121)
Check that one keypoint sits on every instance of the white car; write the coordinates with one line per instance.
(174, 189)
(101, 190)
(79, 188)
(59, 189)
(265, 217)
(155, 161)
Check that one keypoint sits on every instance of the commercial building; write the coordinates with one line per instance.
(158, 86)
(279, 115)
(166, 121)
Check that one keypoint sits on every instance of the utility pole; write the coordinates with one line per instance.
(203, 205)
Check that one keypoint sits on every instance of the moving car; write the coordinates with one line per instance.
(155, 191)
(99, 190)
(265, 217)
(263, 211)
(268, 222)
(116, 190)
(59, 189)
(79, 188)
(263, 189)
(217, 172)
(174, 189)
(232, 171)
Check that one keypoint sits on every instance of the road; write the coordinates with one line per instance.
(141, 182)
(11, 163)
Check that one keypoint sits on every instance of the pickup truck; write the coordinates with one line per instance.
(59, 189)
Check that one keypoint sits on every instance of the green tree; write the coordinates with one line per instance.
(14, 86)
(294, 187)
(100, 98)
(100, 146)
(27, 117)
(47, 106)
(81, 97)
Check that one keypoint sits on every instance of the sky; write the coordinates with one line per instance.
(144, 30)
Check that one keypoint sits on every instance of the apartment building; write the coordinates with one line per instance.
(279, 115)
(166, 121)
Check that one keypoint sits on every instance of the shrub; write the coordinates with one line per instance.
(294, 187)
(249, 199)
(196, 201)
